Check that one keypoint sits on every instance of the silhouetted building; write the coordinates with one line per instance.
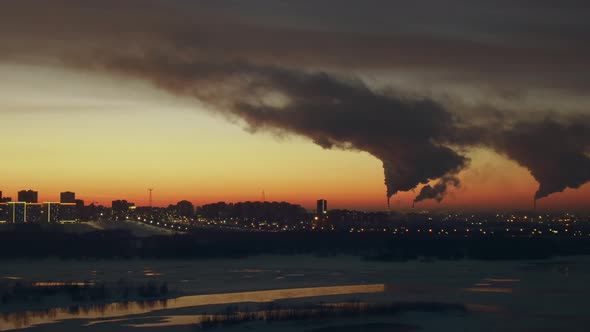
(28, 196)
(93, 212)
(51, 212)
(3, 212)
(20, 212)
(4, 199)
(120, 209)
(254, 212)
(67, 212)
(17, 212)
(34, 212)
(321, 212)
(185, 209)
(322, 207)
(67, 197)
(80, 210)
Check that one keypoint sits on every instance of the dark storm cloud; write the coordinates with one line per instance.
(279, 65)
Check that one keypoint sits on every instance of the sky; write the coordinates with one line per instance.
(459, 105)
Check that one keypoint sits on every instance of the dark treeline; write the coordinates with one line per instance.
(36, 243)
(345, 219)
(255, 211)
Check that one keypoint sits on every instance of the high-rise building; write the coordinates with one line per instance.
(67, 197)
(34, 212)
(3, 212)
(16, 212)
(321, 213)
(68, 212)
(51, 212)
(28, 196)
(322, 207)
(80, 210)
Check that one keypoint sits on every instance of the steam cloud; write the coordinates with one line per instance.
(290, 81)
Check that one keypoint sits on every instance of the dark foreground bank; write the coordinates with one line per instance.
(33, 242)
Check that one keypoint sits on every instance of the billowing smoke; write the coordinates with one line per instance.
(417, 139)
(408, 135)
(439, 190)
(555, 152)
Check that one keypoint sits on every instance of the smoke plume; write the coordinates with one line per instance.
(417, 139)
(408, 135)
(439, 190)
(555, 152)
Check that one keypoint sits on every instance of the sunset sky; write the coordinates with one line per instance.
(219, 101)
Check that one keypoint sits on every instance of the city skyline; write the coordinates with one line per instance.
(363, 112)
(68, 196)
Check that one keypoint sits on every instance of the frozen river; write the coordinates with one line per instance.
(546, 295)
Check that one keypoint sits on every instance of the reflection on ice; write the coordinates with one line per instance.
(61, 284)
(232, 315)
(12, 321)
(489, 290)
(501, 280)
